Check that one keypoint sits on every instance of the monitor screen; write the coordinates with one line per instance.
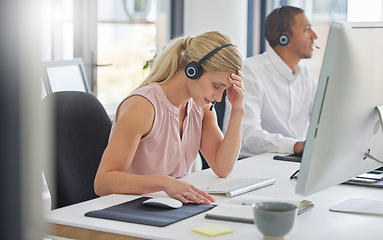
(65, 75)
(345, 131)
(66, 78)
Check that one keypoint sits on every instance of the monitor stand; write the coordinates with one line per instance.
(379, 109)
(360, 205)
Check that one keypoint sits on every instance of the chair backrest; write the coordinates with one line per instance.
(220, 110)
(82, 129)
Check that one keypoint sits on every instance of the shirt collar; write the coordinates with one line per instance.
(282, 67)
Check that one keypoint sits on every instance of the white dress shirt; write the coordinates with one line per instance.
(278, 104)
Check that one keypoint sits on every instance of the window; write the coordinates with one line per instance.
(322, 12)
(116, 39)
(126, 38)
(57, 30)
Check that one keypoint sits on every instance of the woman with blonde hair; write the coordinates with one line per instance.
(160, 127)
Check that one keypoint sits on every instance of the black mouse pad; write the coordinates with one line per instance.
(135, 211)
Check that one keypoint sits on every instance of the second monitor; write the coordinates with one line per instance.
(345, 136)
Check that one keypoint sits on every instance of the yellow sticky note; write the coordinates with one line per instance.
(212, 230)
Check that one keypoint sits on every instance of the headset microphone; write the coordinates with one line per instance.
(212, 105)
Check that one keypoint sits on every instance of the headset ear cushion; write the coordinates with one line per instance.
(193, 70)
(283, 39)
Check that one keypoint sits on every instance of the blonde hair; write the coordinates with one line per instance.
(182, 50)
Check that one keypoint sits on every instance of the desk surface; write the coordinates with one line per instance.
(317, 223)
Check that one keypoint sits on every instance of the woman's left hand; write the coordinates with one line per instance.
(236, 93)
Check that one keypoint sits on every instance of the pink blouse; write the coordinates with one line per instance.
(162, 151)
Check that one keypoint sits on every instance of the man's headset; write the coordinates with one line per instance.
(283, 38)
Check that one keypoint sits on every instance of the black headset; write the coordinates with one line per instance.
(193, 70)
(283, 38)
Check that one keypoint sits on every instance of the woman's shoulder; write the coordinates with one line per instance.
(135, 105)
(140, 97)
(145, 89)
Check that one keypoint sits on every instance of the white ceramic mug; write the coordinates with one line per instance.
(274, 219)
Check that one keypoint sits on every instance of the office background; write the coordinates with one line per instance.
(115, 40)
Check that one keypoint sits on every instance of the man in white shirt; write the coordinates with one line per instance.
(279, 90)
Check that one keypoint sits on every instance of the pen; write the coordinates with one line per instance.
(304, 208)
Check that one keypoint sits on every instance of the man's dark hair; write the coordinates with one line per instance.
(287, 18)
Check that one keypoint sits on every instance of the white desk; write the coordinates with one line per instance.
(317, 223)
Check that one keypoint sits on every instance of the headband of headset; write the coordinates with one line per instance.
(193, 70)
(283, 38)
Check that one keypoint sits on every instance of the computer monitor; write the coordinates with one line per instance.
(345, 131)
(65, 75)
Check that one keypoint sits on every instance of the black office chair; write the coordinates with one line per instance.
(220, 110)
(82, 129)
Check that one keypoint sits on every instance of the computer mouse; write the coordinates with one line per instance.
(163, 202)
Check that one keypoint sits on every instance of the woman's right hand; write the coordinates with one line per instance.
(186, 192)
(236, 93)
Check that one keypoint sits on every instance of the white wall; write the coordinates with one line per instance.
(226, 16)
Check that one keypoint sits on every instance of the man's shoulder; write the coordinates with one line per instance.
(257, 57)
(257, 60)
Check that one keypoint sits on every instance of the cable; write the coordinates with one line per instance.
(368, 155)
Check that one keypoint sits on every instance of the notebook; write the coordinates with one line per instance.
(135, 211)
(369, 179)
(241, 209)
